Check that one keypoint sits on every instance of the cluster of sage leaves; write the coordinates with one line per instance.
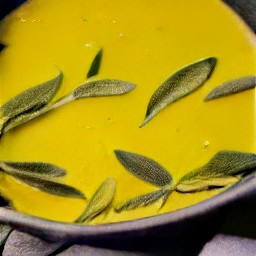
(224, 169)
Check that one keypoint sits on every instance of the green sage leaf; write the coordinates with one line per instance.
(200, 184)
(105, 87)
(24, 118)
(225, 163)
(47, 185)
(179, 85)
(95, 66)
(231, 87)
(100, 200)
(144, 200)
(144, 168)
(30, 100)
(33, 168)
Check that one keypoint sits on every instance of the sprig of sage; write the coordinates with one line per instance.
(149, 171)
(232, 87)
(224, 168)
(180, 84)
(8, 112)
(100, 201)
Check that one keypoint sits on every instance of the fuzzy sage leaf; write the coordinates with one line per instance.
(95, 66)
(231, 87)
(219, 169)
(144, 200)
(179, 85)
(204, 183)
(100, 201)
(30, 100)
(32, 168)
(105, 87)
(46, 184)
(144, 168)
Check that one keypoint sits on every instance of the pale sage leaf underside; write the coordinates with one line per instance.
(100, 201)
(180, 84)
(144, 200)
(30, 100)
(144, 168)
(47, 185)
(33, 168)
(225, 163)
(95, 65)
(232, 87)
(201, 184)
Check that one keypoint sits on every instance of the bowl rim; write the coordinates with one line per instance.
(55, 230)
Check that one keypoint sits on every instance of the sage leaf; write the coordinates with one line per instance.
(104, 87)
(144, 200)
(223, 164)
(99, 88)
(47, 185)
(100, 201)
(95, 66)
(180, 84)
(30, 100)
(231, 87)
(200, 184)
(144, 168)
(28, 168)
(5, 230)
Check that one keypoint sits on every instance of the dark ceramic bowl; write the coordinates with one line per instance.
(185, 221)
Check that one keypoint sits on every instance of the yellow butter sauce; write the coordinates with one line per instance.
(143, 42)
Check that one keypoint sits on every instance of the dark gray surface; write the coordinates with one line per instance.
(246, 9)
